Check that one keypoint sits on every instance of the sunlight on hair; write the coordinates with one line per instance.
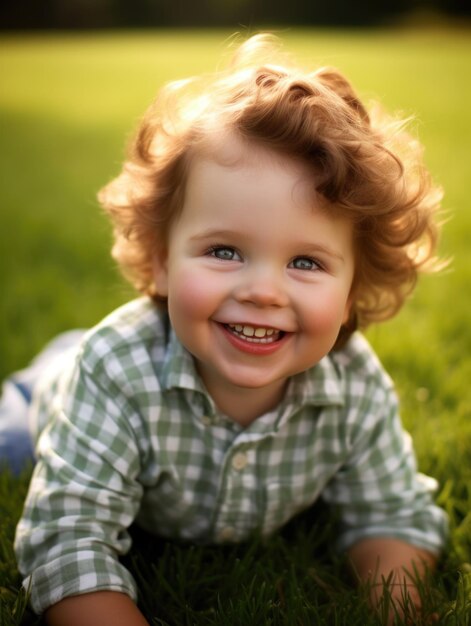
(364, 163)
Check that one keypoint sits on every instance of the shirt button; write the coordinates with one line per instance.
(227, 534)
(206, 420)
(239, 461)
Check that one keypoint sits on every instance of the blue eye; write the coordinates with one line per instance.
(224, 253)
(305, 263)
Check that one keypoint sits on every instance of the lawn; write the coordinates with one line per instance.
(67, 105)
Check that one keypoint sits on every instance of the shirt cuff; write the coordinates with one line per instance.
(76, 574)
(432, 536)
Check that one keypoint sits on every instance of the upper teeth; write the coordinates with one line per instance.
(250, 331)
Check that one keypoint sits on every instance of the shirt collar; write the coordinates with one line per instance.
(179, 371)
(321, 385)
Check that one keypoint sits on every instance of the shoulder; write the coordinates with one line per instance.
(115, 363)
(137, 324)
(367, 391)
(357, 362)
(127, 344)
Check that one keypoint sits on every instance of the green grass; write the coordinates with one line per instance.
(67, 103)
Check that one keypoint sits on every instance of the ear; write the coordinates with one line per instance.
(346, 314)
(160, 272)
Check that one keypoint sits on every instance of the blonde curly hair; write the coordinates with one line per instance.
(364, 163)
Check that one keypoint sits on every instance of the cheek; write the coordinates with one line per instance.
(192, 295)
(326, 313)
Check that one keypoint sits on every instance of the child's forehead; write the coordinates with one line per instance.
(224, 163)
(228, 149)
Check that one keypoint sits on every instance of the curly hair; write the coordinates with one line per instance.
(364, 163)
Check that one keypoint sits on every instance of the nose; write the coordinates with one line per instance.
(262, 286)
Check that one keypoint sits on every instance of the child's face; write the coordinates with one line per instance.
(257, 276)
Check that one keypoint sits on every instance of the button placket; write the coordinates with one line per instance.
(230, 518)
(239, 461)
(227, 533)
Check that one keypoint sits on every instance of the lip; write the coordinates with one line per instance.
(256, 349)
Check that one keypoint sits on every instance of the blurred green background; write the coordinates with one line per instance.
(69, 101)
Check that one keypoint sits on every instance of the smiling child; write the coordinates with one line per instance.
(266, 218)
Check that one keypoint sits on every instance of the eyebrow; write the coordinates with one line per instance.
(212, 233)
(308, 247)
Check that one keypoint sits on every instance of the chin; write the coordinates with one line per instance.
(253, 382)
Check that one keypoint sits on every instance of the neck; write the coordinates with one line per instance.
(245, 405)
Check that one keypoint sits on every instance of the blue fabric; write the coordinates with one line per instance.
(16, 447)
(24, 389)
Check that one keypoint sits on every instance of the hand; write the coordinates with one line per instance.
(392, 571)
(100, 608)
(391, 600)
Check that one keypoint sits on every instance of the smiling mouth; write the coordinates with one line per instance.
(255, 334)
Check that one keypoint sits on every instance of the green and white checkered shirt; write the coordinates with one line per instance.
(128, 433)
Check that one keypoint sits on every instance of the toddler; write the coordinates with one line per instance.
(265, 217)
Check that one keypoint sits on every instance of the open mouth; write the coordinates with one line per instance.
(255, 334)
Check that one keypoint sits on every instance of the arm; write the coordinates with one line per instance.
(378, 491)
(101, 608)
(379, 559)
(84, 492)
(384, 504)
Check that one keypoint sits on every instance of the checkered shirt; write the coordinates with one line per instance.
(126, 432)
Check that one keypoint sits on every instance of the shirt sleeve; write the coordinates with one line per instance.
(379, 492)
(84, 493)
